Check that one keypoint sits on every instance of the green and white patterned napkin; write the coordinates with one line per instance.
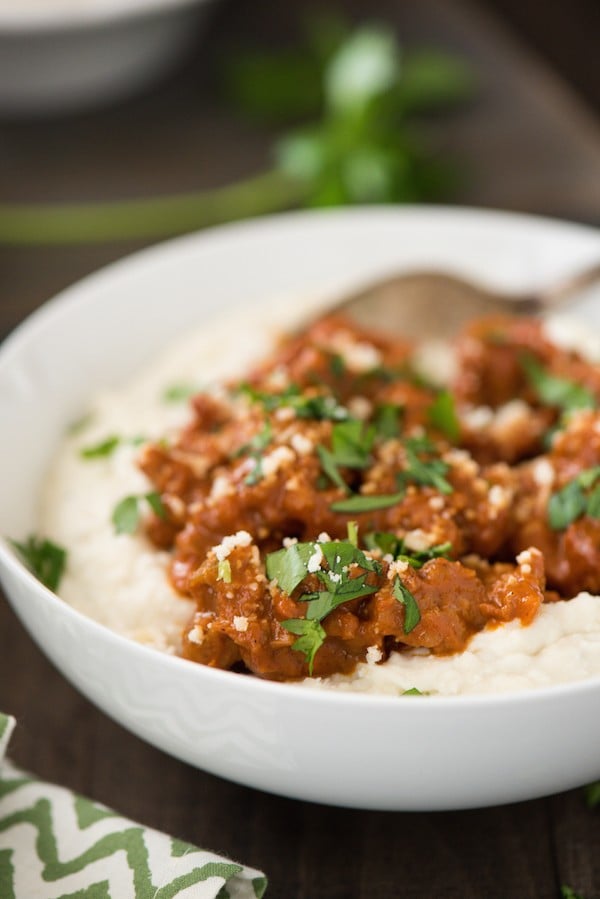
(57, 845)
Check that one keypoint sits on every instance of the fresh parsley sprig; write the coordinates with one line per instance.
(45, 559)
(580, 496)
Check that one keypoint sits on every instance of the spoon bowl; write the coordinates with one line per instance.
(436, 304)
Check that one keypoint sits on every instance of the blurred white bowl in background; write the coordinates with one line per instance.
(60, 55)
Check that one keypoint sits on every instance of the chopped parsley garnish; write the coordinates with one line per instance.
(442, 415)
(412, 616)
(553, 390)
(367, 502)
(45, 559)
(330, 469)
(388, 420)
(337, 365)
(255, 450)
(571, 501)
(126, 514)
(179, 393)
(291, 565)
(104, 448)
(311, 637)
(593, 502)
(319, 406)
(425, 472)
(107, 446)
(394, 546)
(351, 444)
(413, 691)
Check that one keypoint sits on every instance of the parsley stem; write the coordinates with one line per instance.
(153, 217)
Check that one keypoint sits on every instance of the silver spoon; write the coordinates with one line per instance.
(435, 304)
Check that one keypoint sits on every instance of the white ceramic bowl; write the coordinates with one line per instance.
(346, 749)
(60, 55)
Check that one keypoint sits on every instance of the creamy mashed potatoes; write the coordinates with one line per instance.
(121, 580)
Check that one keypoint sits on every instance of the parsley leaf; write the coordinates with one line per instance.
(426, 472)
(367, 502)
(351, 445)
(154, 501)
(107, 446)
(553, 390)
(413, 691)
(104, 448)
(387, 420)
(179, 393)
(352, 442)
(337, 366)
(319, 406)
(442, 415)
(570, 502)
(311, 637)
(126, 514)
(45, 559)
(329, 466)
(593, 502)
(412, 615)
(289, 566)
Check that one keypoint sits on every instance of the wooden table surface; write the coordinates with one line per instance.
(529, 145)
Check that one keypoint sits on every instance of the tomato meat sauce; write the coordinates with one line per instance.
(336, 505)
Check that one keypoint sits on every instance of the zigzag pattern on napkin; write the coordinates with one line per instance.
(97, 855)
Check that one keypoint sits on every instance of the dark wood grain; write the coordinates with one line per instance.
(528, 144)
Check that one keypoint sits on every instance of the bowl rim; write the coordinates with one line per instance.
(67, 15)
(77, 293)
